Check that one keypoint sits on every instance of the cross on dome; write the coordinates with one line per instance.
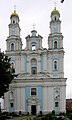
(14, 8)
(55, 4)
(14, 13)
(34, 26)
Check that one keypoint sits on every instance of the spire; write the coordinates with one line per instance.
(14, 8)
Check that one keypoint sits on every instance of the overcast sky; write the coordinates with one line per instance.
(38, 12)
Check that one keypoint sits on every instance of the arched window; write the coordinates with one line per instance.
(13, 21)
(55, 65)
(33, 47)
(12, 68)
(33, 66)
(55, 18)
(12, 47)
(55, 45)
(33, 91)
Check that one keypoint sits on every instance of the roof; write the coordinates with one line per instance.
(14, 14)
(55, 11)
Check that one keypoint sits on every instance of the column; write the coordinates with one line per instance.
(39, 64)
(38, 108)
(28, 64)
(29, 108)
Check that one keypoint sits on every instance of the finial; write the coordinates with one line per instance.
(55, 5)
(34, 26)
(15, 8)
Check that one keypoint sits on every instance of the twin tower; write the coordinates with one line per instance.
(40, 84)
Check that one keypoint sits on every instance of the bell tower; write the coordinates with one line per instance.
(55, 43)
(14, 42)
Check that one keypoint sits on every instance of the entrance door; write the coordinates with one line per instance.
(33, 109)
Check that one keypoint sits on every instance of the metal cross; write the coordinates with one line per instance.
(34, 26)
(15, 8)
(55, 4)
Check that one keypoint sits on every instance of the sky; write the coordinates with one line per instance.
(38, 12)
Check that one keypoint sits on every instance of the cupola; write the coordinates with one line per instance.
(55, 15)
(14, 18)
(55, 11)
(14, 14)
(33, 32)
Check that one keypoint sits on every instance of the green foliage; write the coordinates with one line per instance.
(49, 116)
(69, 115)
(5, 73)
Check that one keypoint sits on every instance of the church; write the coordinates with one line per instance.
(40, 85)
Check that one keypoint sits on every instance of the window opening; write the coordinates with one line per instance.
(56, 104)
(55, 18)
(33, 47)
(12, 68)
(55, 65)
(55, 45)
(11, 104)
(33, 91)
(34, 70)
(33, 66)
(12, 47)
(13, 21)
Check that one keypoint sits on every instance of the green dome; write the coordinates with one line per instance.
(55, 11)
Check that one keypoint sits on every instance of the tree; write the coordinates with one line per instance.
(6, 75)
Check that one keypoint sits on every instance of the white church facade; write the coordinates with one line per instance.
(40, 84)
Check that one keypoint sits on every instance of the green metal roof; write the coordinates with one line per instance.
(55, 11)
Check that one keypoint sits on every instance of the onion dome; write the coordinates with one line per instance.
(55, 12)
(14, 14)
